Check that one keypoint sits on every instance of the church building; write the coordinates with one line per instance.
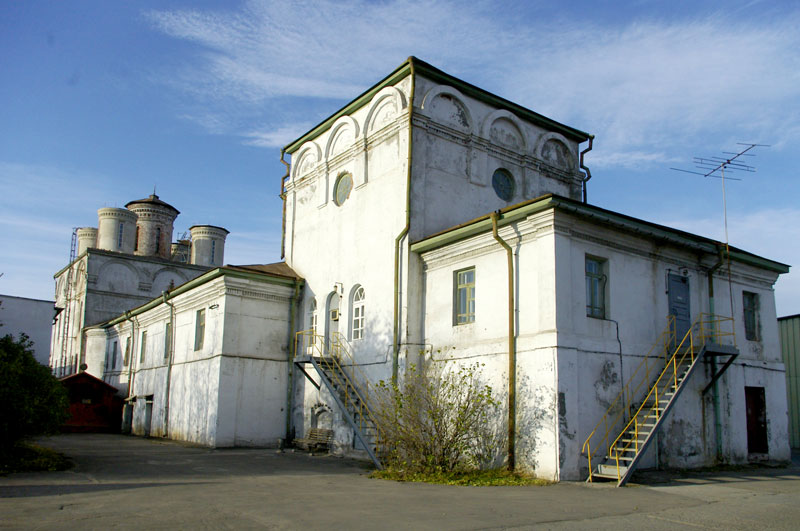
(429, 221)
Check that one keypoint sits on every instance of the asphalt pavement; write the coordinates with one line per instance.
(127, 482)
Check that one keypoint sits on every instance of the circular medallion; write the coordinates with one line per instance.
(342, 188)
(503, 184)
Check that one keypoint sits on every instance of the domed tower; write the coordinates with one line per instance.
(208, 245)
(153, 226)
(87, 237)
(116, 229)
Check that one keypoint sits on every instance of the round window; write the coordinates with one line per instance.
(342, 188)
(503, 184)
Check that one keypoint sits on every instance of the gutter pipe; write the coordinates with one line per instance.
(585, 168)
(404, 232)
(512, 355)
(715, 388)
(283, 198)
(290, 367)
(164, 297)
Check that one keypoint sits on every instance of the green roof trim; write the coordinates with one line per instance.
(431, 72)
(599, 215)
(202, 279)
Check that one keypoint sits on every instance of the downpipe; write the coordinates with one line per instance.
(512, 354)
(404, 232)
(586, 168)
(283, 199)
(164, 297)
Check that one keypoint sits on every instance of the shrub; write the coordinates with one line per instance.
(439, 421)
(33, 401)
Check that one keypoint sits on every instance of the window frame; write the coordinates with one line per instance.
(596, 283)
(357, 314)
(126, 358)
(199, 329)
(142, 347)
(167, 339)
(465, 291)
(751, 324)
(120, 233)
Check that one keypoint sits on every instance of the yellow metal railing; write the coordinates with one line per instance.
(354, 388)
(707, 328)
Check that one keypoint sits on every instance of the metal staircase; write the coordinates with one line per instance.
(347, 384)
(633, 419)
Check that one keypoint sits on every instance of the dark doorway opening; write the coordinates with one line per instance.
(756, 420)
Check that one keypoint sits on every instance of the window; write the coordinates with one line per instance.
(136, 243)
(114, 355)
(751, 324)
(199, 329)
(158, 240)
(167, 340)
(596, 280)
(127, 356)
(143, 348)
(213, 249)
(503, 184)
(120, 230)
(312, 316)
(465, 296)
(358, 314)
(342, 188)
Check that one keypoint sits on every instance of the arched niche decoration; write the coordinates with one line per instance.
(553, 149)
(308, 156)
(159, 286)
(384, 107)
(447, 105)
(503, 128)
(343, 133)
(127, 284)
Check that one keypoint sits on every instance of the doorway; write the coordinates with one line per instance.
(756, 405)
(331, 318)
(678, 300)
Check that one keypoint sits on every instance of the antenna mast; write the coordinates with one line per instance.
(715, 167)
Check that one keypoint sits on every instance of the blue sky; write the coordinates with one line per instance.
(101, 101)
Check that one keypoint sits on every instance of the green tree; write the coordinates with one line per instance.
(441, 420)
(33, 401)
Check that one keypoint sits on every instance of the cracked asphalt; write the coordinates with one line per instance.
(127, 482)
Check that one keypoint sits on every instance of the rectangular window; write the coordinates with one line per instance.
(464, 296)
(119, 235)
(358, 321)
(213, 250)
(199, 329)
(127, 356)
(167, 340)
(751, 324)
(143, 349)
(114, 355)
(596, 280)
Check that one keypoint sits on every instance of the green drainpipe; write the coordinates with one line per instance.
(715, 389)
(396, 317)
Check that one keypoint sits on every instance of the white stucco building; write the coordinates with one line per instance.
(406, 213)
(129, 259)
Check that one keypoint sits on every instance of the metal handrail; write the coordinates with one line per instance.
(708, 330)
(355, 394)
(614, 414)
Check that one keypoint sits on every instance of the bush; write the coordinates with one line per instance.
(440, 421)
(33, 401)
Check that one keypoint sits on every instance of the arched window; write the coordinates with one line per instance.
(357, 324)
(158, 240)
(136, 245)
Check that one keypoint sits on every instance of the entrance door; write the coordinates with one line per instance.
(678, 295)
(331, 318)
(756, 420)
(148, 416)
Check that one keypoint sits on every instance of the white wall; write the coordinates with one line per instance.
(32, 317)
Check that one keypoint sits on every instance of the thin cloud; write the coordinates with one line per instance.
(643, 85)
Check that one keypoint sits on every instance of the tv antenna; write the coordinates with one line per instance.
(716, 167)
